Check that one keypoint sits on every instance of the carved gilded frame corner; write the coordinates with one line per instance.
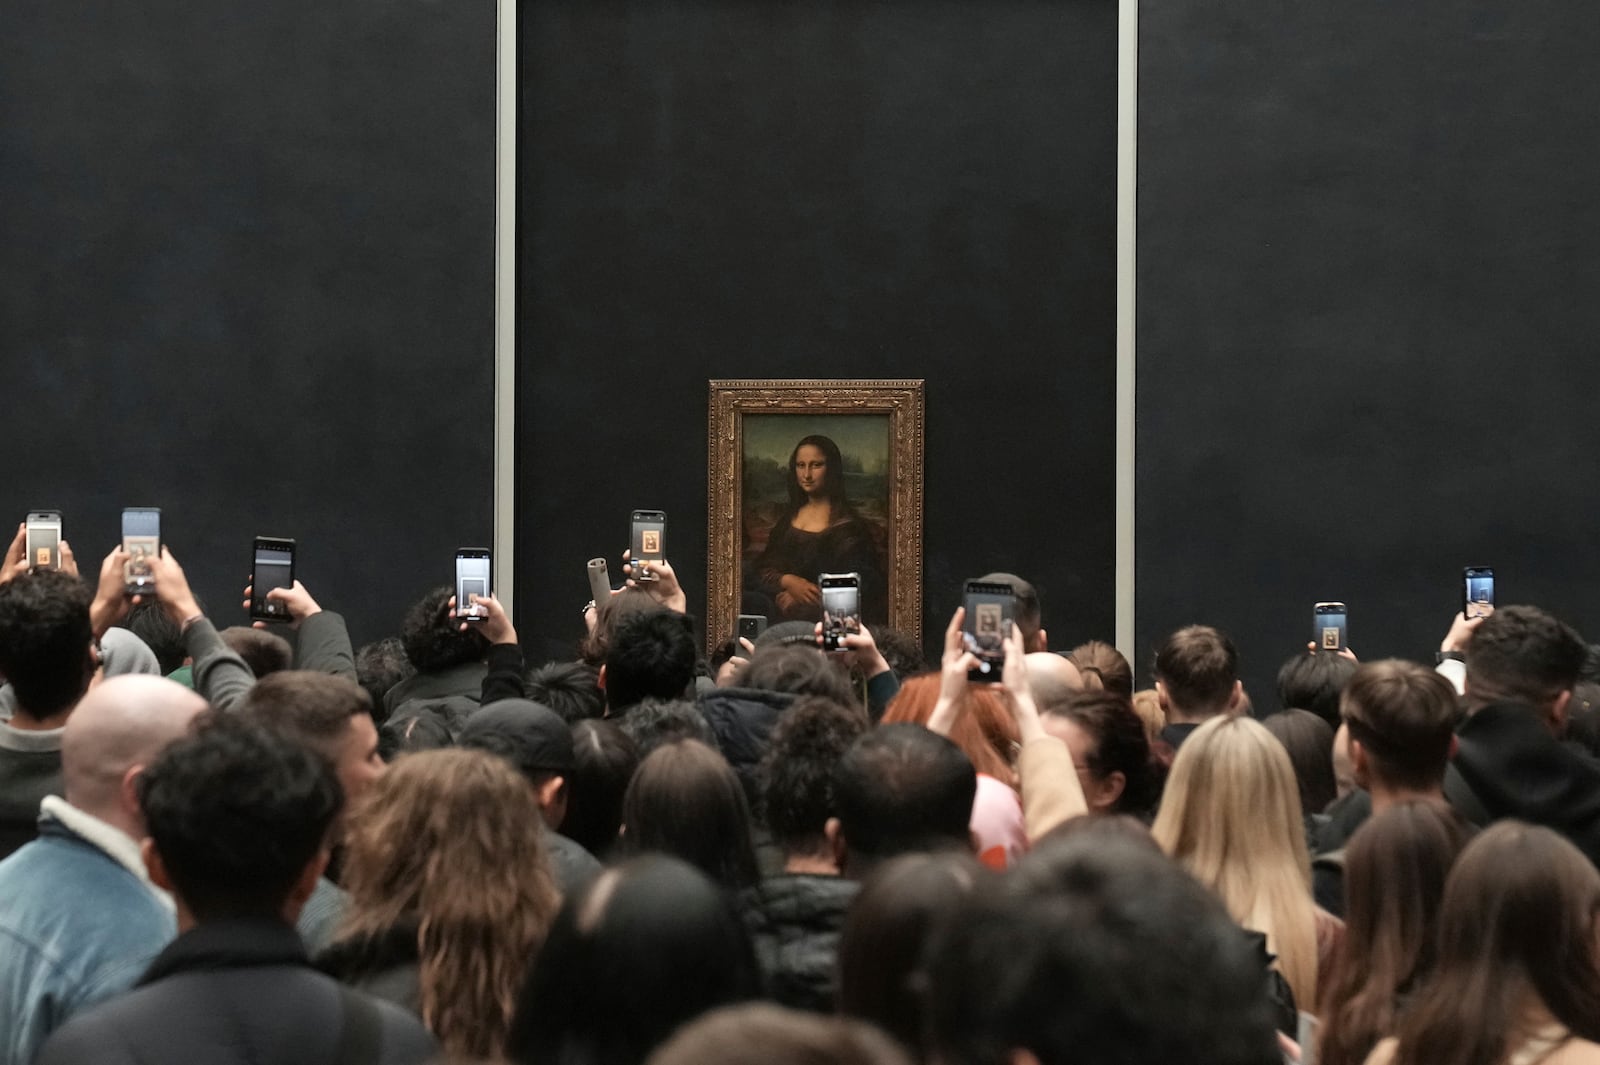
(730, 401)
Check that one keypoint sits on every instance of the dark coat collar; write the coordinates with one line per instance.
(228, 944)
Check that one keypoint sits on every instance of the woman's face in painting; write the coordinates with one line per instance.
(811, 469)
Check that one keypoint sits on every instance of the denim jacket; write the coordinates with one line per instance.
(77, 925)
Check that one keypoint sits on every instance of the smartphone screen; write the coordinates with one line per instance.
(472, 579)
(990, 609)
(841, 608)
(141, 539)
(1330, 626)
(273, 568)
(1477, 595)
(649, 541)
(44, 539)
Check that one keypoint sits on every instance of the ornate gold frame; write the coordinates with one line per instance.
(730, 401)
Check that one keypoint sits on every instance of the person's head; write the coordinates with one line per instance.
(900, 789)
(1399, 726)
(1309, 741)
(608, 615)
(816, 471)
(1103, 668)
(736, 1035)
(46, 642)
(1516, 934)
(797, 772)
(655, 931)
(1520, 654)
(1053, 678)
(425, 728)
(149, 622)
(116, 730)
(985, 730)
(571, 689)
(1197, 674)
(1026, 612)
(1313, 680)
(328, 714)
(239, 821)
(651, 655)
(536, 743)
(1156, 969)
(433, 639)
(903, 653)
(798, 669)
(603, 762)
(380, 666)
(449, 843)
(884, 942)
(1230, 816)
(1394, 875)
(685, 800)
(653, 722)
(264, 652)
(1110, 750)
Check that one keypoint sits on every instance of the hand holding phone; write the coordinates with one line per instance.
(1477, 592)
(272, 568)
(648, 543)
(474, 576)
(841, 608)
(990, 611)
(43, 550)
(751, 626)
(1330, 627)
(141, 540)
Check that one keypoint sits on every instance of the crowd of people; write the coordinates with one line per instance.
(270, 847)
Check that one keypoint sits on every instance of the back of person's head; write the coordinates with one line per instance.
(604, 761)
(903, 653)
(653, 722)
(1157, 970)
(798, 669)
(608, 615)
(884, 942)
(1197, 672)
(985, 730)
(901, 789)
(651, 655)
(1102, 668)
(797, 772)
(449, 843)
(646, 947)
(1309, 741)
(1053, 678)
(571, 689)
(424, 728)
(1394, 875)
(116, 730)
(46, 641)
(1402, 716)
(1230, 816)
(1026, 611)
(1313, 680)
(380, 666)
(239, 821)
(433, 639)
(737, 1035)
(264, 652)
(1521, 654)
(536, 742)
(308, 707)
(1516, 935)
(1109, 743)
(685, 800)
(149, 621)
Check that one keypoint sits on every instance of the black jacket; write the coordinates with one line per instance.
(230, 992)
(388, 966)
(794, 921)
(742, 720)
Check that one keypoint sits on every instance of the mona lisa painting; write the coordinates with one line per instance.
(814, 477)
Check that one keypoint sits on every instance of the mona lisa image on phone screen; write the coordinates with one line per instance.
(649, 542)
(44, 539)
(990, 608)
(1330, 626)
(141, 539)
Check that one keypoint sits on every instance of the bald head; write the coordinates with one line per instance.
(123, 723)
(1053, 678)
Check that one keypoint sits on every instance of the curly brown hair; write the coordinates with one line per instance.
(451, 841)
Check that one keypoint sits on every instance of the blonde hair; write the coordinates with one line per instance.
(452, 841)
(1231, 817)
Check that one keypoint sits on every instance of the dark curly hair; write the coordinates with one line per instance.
(432, 638)
(45, 636)
(797, 773)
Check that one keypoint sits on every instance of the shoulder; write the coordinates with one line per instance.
(1575, 1052)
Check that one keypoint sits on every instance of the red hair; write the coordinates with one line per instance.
(984, 730)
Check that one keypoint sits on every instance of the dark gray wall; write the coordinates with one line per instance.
(247, 276)
(1369, 248)
(825, 190)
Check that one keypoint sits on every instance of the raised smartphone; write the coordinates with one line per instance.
(141, 539)
(474, 577)
(44, 539)
(272, 566)
(649, 541)
(1330, 626)
(1477, 591)
(751, 626)
(841, 608)
(990, 609)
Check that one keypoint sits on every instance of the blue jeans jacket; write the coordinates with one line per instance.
(75, 928)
